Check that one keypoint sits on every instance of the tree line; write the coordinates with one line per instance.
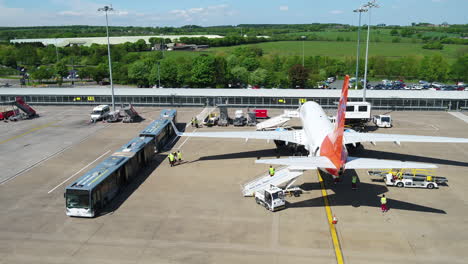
(246, 65)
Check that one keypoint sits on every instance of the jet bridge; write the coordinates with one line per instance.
(283, 175)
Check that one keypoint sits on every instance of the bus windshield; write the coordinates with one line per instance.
(77, 199)
(96, 112)
(385, 119)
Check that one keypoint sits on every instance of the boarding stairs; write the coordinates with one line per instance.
(204, 113)
(130, 114)
(283, 175)
(21, 104)
(278, 121)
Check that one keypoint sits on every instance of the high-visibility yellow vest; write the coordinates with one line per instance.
(383, 200)
(272, 171)
(179, 155)
(171, 157)
(354, 179)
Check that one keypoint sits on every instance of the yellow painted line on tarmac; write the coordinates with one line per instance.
(336, 241)
(29, 131)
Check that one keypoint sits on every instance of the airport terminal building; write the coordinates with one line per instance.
(268, 98)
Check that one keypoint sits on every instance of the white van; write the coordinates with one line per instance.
(100, 112)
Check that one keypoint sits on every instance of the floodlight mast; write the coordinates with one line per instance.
(369, 6)
(359, 10)
(106, 9)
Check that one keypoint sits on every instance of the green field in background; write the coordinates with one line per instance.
(346, 49)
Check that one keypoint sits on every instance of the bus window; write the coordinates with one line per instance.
(362, 108)
(350, 108)
(77, 199)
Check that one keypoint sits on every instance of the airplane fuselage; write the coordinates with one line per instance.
(318, 131)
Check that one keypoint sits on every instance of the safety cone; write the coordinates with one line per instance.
(335, 220)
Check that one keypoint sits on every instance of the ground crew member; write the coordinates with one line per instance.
(196, 122)
(354, 182)
(272, 171)
(193, 121)
(171, 159)
(383, 202)
(179, 156)
(175, 156)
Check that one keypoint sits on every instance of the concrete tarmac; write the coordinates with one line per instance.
(195, 213)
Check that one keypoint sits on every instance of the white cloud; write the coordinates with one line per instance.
(284, 8)
(336, 12)
(201, 13)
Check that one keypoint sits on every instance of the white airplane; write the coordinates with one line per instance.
(326, 141)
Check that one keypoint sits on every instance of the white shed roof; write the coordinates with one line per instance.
(62, 42)
(297, 93)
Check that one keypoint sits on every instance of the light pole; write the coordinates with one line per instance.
(359, 10)
(56, 49)
(107, 9)
(303, 37)
(159, 76)
(369, 6)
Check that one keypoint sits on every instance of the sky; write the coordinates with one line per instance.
(177, 13)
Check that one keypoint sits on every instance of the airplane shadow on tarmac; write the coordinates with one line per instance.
(264, 153)
(367, 194)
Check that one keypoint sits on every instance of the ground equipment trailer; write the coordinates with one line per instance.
(410, 178)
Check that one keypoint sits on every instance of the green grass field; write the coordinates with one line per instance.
(380, 35)
(344, 49)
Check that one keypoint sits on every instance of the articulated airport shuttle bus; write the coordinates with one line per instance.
(161, 130)
(88, 195)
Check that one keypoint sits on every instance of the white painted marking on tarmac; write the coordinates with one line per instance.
(204, 109)
(460, 116)
(185, 140)
(78, 172)
(436, 128)
(48, 158)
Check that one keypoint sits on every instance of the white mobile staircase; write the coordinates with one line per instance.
(278, 121)
(282, 175)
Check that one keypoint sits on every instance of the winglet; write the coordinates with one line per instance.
(178, 133)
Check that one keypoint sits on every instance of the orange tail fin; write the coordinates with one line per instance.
(332, 147)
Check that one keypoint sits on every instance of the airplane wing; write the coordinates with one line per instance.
(311, 163)
(364, 163)
(355, 137)
(296, 136)
(301, 163)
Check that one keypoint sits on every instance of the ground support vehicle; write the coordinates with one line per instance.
(239, 119)
(251, 119)
(224, 119)
(129, 114)
(211, 120)
(414, 178)
(100, 112)
(278, 121)
(5, 113)
(113, 116)
(382, 120)
(272, 198)
(261, 113)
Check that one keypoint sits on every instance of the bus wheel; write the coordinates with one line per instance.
(400, 185)
(430, 186)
